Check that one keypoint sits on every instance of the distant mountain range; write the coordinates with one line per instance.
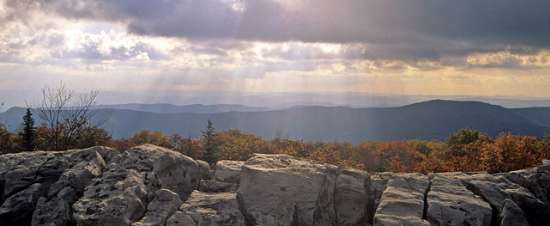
(192, 108)
(434, 119)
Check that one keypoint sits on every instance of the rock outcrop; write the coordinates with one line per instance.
(350, 197)
(449, 202)
(228, 171)
(95, 186)
(220, 209)
(149, 185)
(281, 190)
(402, 202)
(226, 177)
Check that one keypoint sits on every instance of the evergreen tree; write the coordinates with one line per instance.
(28, 134)
(210, 144)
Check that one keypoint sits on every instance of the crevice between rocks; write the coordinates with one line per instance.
(80, 193)
(372, 196)
(172, 214)
(26, 217)
(334, 186)
(34, 179)
(295, 220)
(149, 196)
(495, 221)
(138, 219)
(370, 208)
(248, 219)
(2, 190)
(426, 206)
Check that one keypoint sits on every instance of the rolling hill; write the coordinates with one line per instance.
(426, 120)
(192, 108)
(538, 115)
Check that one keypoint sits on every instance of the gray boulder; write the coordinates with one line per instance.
(496, 189)
(18, 208)
(149, 185)
(281, 190)
(19, 171)
(62, 177)
(228, 171)
(204, 169)
(117, 198)
(537, 181)
(208, 209)
(164, 204)
(350, 197)
(55, 207)
(55, 211)
(451, 204)
(512, 215)
(402, 202)
(120, 196)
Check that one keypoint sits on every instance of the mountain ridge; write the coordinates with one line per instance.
(173, 108)
(429, 120)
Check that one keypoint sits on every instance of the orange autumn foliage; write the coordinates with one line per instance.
(466, 150)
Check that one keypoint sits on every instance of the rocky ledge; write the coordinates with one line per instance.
(149, 185)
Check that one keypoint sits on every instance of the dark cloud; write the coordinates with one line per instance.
(412, 29)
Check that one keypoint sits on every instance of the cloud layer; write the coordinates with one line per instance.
(419, 28)
(389, 46)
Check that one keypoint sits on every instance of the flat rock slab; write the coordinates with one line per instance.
(212, 209)
(350, 197)
(278, 190)
(228, 171)
(402, 202)
(451, 204)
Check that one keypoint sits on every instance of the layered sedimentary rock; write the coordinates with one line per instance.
(149, 185)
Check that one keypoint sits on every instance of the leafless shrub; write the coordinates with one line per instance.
(65, 114)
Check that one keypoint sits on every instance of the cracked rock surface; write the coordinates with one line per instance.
(149, 185)
(451, 203)
(209, 209)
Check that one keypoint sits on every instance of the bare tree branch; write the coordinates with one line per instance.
(65, 113)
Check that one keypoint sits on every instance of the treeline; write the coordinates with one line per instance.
(465, 150)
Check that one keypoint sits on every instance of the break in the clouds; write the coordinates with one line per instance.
(435, 47)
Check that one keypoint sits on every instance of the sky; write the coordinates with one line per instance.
(144, 50)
